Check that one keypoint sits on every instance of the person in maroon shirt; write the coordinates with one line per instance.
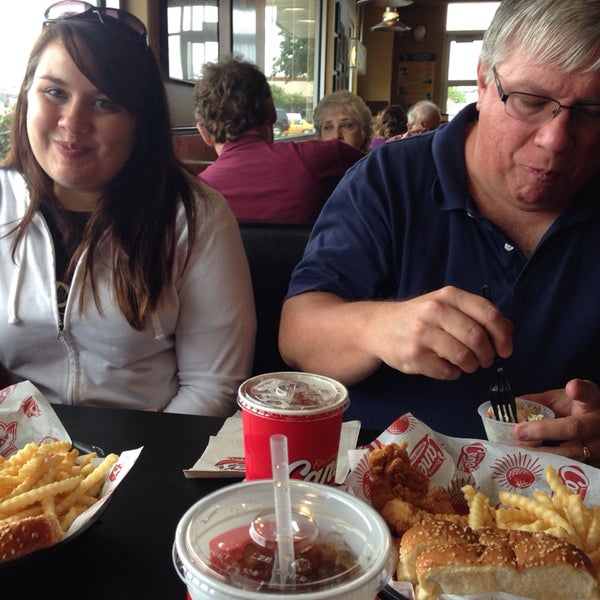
(285, 182)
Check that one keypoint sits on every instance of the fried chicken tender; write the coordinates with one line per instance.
(401, 515)
(392, 464)
(401, 493)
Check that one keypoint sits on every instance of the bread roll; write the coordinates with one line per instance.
(451, 559)
(19, 538)
(424, 535)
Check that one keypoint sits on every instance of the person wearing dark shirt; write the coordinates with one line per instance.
(387, 298)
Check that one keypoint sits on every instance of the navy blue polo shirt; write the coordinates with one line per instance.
(402, 223)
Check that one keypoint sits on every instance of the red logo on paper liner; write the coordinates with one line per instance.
(427, 456)
(362, 473)
(471, 457)
(114, 473)
(517, 471)
(232, 463)
(575, 478)
(373, 445)
(30, 407)
(8, 435)
(401, 425)
(4, 393)
(457, 497)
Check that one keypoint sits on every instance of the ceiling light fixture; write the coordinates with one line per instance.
(386, 3)
(391, 22)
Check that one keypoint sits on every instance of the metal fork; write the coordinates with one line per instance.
(502, 397)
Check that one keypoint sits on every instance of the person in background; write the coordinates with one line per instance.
(388, 297)
(286, 182)
(423, 116)
(389, 122)
(344, 116)
(123, 280)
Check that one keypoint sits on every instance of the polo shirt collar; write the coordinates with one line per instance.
(450, 190)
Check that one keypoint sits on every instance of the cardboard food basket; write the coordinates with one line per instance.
(26, 416)
(452, 463)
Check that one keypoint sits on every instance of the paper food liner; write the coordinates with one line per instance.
(489, 467)
(224, 455)
(26, 416)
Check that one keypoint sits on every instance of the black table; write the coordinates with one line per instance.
(127, 553)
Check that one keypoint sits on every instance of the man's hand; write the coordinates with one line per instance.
(577, 422)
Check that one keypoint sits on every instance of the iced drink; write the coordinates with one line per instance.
(307, 409)
(343, 546)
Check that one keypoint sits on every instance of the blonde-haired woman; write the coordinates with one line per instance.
(343, 115)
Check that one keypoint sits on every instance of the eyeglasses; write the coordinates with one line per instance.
(84, 10)
(536, 109)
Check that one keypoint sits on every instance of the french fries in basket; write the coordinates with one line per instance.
(51, 478)
(561, 513)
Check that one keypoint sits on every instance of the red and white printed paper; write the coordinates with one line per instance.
(26, 416)
(489, 467)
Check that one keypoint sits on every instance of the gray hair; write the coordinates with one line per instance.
(561, 33)
(424, 110)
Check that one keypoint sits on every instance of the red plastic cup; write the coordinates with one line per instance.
(307, 409)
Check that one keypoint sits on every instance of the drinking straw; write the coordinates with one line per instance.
(283, 507)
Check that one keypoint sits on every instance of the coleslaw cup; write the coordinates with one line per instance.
(501, 432)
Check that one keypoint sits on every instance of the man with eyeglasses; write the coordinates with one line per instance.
(388, 296)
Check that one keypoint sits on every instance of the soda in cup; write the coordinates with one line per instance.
(307, 409)
(224, 545)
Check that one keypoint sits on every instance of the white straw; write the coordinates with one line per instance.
(283, 507)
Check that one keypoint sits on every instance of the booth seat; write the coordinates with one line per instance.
(273, 250)
(191, 149)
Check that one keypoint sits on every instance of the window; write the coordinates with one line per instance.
(291, 59)
(285, 47)
(465, 25)
(192, 37)
(20, 24)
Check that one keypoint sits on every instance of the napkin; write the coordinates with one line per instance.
(26, 416)
(224, 455)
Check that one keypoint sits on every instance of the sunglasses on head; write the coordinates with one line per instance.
(84, 10)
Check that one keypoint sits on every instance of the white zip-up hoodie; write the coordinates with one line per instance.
(193, 353)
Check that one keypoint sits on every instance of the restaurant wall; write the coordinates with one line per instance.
(386, 50)
(375, 85)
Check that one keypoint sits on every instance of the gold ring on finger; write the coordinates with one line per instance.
(587, 455)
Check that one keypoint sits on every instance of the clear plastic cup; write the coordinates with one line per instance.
(306, 408)
(502, 432)
(218, 549)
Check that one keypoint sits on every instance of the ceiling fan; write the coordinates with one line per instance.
(391, 21)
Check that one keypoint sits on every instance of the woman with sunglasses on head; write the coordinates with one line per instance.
(123, 280)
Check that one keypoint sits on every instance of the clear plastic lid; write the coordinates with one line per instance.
(343, 551)
(291, 392)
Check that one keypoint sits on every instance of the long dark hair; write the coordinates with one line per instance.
(137, 211)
